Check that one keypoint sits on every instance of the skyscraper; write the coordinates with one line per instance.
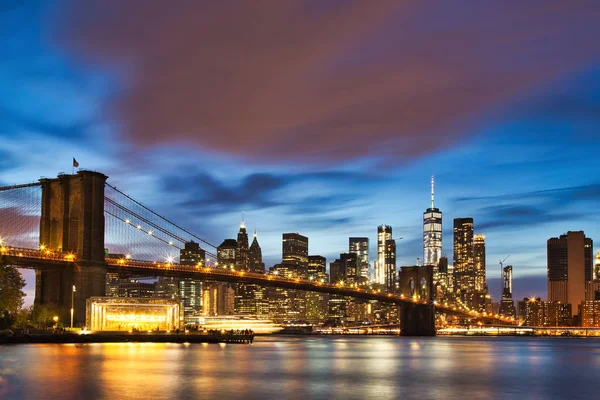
(190, 290)
(432, 232)
(317, 268)
(294, 249)
(226, 253)
(360, 247)
(507, 305)
(569, 268)
(241, 251)
(384, 233)
(479, 259)
(390, 265)
(255, 257)
(464, 266)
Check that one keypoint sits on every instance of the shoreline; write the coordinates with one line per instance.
(125, 338)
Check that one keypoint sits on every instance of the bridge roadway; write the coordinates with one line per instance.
(29, 258)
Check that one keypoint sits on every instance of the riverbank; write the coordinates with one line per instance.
(127, 337)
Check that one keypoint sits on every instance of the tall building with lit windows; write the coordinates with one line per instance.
(384, 233)
(464, 265)
(294, 249)
(360, 247)
(570, 270)
(432, 232)
(190, 290)
(226, 254)
(251, 299)
(390, 265)
(479, 260)
(255, 257)
(507, 304)
(242, 262)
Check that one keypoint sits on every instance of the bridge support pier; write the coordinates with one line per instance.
(55, 288)
(72, 222)
(417, 319)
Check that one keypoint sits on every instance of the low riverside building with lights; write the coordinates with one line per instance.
(133, 314)
(590, 314)
(535, 312)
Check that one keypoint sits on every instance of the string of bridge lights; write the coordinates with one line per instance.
(70, 257)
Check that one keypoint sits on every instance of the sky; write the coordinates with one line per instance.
(326, 118)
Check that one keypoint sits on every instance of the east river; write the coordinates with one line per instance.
(322, 367)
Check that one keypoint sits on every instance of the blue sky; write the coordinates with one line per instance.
(324, 118)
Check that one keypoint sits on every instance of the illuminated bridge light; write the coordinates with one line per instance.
(127, 221)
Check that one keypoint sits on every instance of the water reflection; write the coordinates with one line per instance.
(321, 367)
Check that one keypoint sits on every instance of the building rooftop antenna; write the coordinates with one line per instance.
(432, 191)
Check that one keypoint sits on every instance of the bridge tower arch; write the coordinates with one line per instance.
(72, 220)
(417, 319)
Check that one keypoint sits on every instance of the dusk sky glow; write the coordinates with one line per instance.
(324, 118)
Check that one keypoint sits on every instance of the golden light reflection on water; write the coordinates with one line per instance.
(322, 367)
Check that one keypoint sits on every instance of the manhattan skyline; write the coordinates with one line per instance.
(330, 140)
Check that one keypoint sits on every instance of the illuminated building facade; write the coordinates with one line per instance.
(390, 265)
(112, 284)
(317, 303)
(464, 265)
(384, 233)
(360, 247)
(132, 314)
(590, 314)
(294, 249)
(134, 288)
(190, 290)
(479, 259)
(218, 299)
(226, 254)
(317, 268)
(287, 304)
(345, 269)
(251, 299)
(432, 232)
(242, 260)
(167, 287)
(507, 305)
(570, 268)
(534, 312)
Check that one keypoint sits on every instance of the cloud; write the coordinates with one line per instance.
(277, 81)
(558, 195)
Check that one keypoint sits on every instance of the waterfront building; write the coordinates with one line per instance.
(294, 249)
(590, 314)
(132, 314)
(507, 305)
(432, 232)
(360, 247)
(384, 233)
(464, 265)
(441, 284)
(570, 268)
(535, 312)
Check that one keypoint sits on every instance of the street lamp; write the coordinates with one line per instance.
(72, 305)
(55, 319)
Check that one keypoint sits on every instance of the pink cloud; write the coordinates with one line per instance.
(329, 81)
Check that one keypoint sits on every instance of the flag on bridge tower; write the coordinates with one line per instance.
(75, 163)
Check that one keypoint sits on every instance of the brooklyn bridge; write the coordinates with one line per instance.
(60, 227)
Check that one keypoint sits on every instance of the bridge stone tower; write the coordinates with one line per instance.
(72, 221)
(417, 319)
